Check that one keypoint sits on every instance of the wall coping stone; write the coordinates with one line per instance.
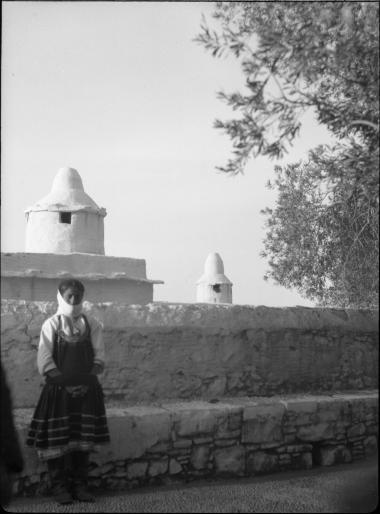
(235, 317)
(22, 416)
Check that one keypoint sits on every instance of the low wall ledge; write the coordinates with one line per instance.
(235, 317)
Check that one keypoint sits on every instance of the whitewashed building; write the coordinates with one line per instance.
(65, 238)
(67, 220)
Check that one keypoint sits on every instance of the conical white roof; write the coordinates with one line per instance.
(214, 270)
(67, 194)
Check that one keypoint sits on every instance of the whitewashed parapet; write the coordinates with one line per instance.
(163, 314)
(199, 351)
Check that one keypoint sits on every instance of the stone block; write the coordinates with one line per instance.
(137, 470)
(300, 411)
(252, 447)
(261, 462)
(182, 443)
(199, 457)
(288, 429)
(116, 484)
(174, 467)
(34, 479)
(224, 430)
(202, 440)
(134, 430)
(357, 451)
(329, 455)
(229, 419)
(333, 409)
(303, 460)
(107, 468)
(268, 446)
(316, 432)
(356, 430)
(327, 415)
(161, 447)
(120, 474)
(234, 421)
(179, 451)
(158, 467)
(225, 442)
(95, 472)
(358, 410)
(263, 423)
(183, 458)
(195, 422)
(299, 448)
(370, 445)
(373, 429)
(230, 460)
(357, 441)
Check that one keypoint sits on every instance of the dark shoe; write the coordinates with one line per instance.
(82, 494)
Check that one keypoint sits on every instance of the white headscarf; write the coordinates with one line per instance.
(75, 324)
(71, 311)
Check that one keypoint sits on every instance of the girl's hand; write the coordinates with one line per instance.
(77, 391)
(54, 376)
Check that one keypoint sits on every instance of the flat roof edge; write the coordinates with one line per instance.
(85, 276)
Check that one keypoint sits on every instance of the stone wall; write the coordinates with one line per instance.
(197, 390)
(235, 437)
(200, 351)
(195, 351)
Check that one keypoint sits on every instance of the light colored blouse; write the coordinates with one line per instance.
(49, 329)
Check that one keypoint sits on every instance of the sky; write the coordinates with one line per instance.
(122, 93)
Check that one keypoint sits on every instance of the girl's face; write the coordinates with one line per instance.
(72, 296)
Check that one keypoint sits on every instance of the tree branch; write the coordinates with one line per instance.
(365, 122)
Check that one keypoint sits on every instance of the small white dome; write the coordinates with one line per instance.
(214, 264)
(67, 194)
(214, 270)
(65, 179)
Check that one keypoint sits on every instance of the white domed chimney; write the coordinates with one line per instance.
(214, 286)
(67, 220)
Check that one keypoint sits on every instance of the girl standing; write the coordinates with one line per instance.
(70, 419)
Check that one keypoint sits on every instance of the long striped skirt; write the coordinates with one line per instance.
(62, 424)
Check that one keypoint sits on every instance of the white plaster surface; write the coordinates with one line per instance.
(76, 264)
(67, 194)
(214, 276)
(206, 293)
(45, 232)
(97, 289)
(35, 277)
